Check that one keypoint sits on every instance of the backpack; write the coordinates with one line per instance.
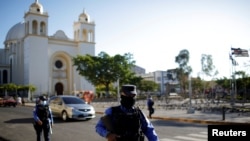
(43, 112)
(127, 125)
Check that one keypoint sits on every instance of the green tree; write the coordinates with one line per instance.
(104, 69)
(207, 67)
(242, 82)
(30, 89)
(184, 70)
(135, 80)
(148, 86)
(241, 74)
(10, 87)
(224, 82)
(196, 86)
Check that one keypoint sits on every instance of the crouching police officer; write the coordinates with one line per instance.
(126, 122)
(43, 119)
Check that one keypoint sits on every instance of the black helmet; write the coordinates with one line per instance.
(129, 89)
(43, 98)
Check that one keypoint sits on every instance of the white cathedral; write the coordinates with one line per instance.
(32, 57)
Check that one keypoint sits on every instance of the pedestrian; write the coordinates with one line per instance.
(19, 100)
(126, 122)
(150, 104)
(23, 102)
(43, 119)
(88, 96)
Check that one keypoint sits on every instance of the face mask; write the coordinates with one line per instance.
(42, 102)
(127, 102)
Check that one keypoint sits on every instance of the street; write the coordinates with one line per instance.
(16, 125)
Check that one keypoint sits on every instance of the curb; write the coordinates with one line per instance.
(205, 122)
(188, 120)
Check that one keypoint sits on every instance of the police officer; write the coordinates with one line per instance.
(126, 122)
(43, 119)
(150, 104)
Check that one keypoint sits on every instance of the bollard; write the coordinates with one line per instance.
(223, 113)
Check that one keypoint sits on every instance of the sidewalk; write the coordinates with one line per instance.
(180, 115)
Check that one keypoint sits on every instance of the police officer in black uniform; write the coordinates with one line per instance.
(126, 122)
(43, 119)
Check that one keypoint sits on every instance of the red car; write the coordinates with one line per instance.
(8, 102)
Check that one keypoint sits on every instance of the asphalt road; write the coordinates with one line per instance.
(16, 125)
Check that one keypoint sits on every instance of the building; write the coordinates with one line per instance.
(31, 56)
(138, 70)
(159, 77)
(163, 78)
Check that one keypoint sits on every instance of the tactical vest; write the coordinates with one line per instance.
(127, 125)
(43, 112)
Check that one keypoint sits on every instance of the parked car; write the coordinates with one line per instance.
(8, 102)
(71, 107)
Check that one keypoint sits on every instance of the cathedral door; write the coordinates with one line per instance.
(59, 88)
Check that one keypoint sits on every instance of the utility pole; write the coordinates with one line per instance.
(190, 110)
(233, 91)
(190, 91)
(118, 91)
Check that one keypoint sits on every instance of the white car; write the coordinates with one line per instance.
(71, 107)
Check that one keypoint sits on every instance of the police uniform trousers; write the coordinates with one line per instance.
(45, 129)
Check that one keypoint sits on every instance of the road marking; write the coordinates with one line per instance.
(203, 133)
(168, 139)
(198, 135)
(202, 136)
(190, 138)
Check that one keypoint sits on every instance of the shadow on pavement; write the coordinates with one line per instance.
(31, 120)
(20, 120)
(3, 139)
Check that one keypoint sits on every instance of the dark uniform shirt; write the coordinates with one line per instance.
(146, 125)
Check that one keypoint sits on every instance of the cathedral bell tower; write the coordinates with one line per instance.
(84, 29)
(35, 50)
(36, 20)
(84, 36)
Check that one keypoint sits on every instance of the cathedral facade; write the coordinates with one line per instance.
(32, 57)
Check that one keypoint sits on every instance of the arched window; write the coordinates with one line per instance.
(84, 35)
(27, 28)
(77, 35)
(11, 67)
(34, 27)
(91, 36)
(42, 28)
(5, 76)
(0, 77)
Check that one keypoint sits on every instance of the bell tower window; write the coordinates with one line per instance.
(34, 27)
(42, 28)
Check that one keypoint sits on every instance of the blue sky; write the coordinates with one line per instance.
(154, 31)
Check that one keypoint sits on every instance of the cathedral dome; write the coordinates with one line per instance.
(36, 7)
(16, 32)
(84, 17)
